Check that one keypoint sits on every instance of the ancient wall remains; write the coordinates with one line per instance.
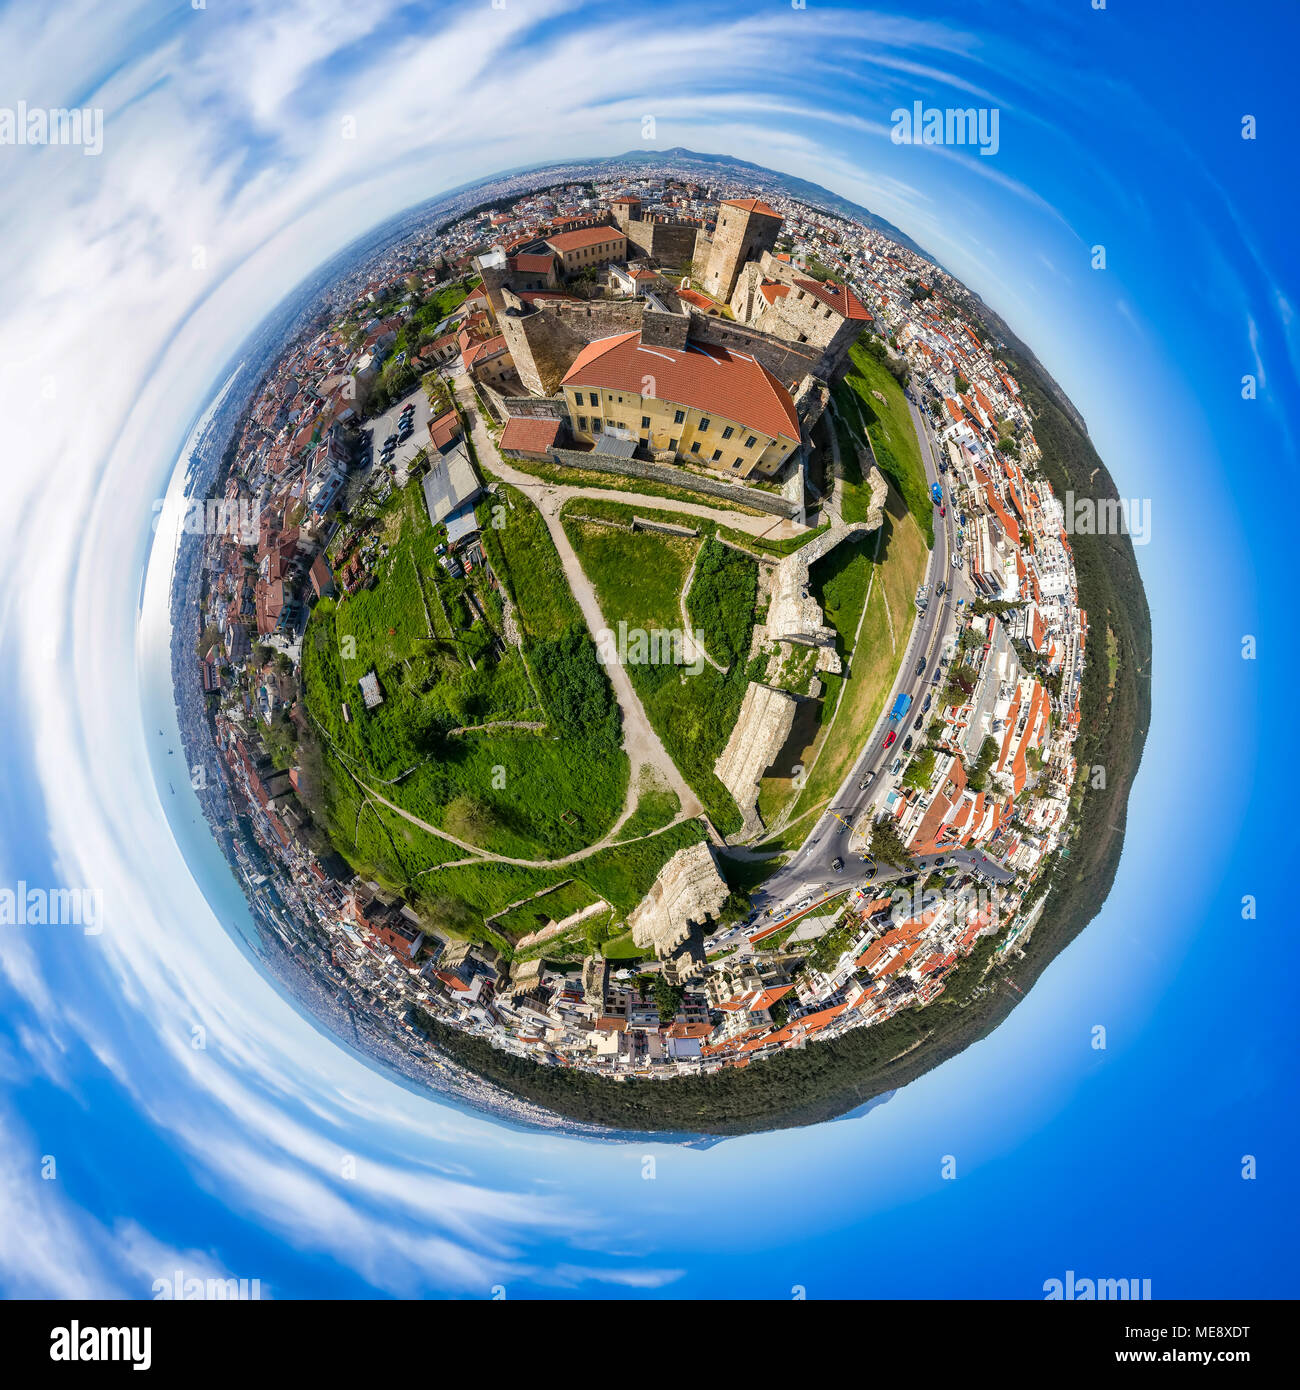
(688, 892)
(736, 496)
(762, 727)
(545, 342)
(788, 362)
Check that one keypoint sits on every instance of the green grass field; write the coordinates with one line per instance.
(638, 579)
(511, 791)
(721, 601)
(459, 898)
(656, 806)
(555, 905)
(888, 424)
(637, 576)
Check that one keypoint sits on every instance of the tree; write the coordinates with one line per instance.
(887, 844)
(977, 777)
(468, 818)
(920, 770)
(208, 639)
(669, 998)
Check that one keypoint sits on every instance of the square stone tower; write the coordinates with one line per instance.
(746, 227)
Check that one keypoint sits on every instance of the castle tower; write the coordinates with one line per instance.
(495, 273)
(746, 227)
(625, 210)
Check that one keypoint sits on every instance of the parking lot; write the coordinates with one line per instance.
(384, 425)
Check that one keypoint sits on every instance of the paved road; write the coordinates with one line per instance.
(809, 873)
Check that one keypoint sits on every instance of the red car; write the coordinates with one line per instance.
(890, 737)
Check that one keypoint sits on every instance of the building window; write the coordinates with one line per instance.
(704, 424)
(695, 448)
(728, 432)
(717, 454)
(737, 463)
(750, 442)
(672, 444)
(678, 417)
(582, 422)
(597, 425)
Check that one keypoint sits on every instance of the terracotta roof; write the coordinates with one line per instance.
(532, 296)
(584, 236)
(751, 205)
(700, 301)
(533, 261)
(528, 435)
(444, 429)
(709, 378)
(480, 352)
(838, 297)
(772, 290)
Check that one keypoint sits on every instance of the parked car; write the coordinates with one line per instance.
(925, 704)
(896, 767)
(918, 721)
(907, 744)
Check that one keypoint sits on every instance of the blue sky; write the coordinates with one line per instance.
(225, 179)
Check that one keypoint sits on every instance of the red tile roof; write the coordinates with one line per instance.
(444, 429)
(709, 378)
(584, 236)
(480, 352)
(772, 290)
(530, 262)
(752, 205)
(528, 435)
(838, 297)
(532, 296)
(700, 301)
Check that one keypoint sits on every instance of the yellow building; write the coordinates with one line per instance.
(704, 405)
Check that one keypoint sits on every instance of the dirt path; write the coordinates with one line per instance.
(642, 745)
(690, 645)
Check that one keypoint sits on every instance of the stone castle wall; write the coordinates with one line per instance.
(788, 362)
(677, 477)
(545, 342)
